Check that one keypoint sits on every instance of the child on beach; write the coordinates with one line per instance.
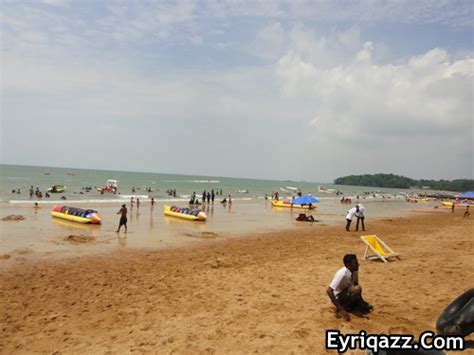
(344, 290)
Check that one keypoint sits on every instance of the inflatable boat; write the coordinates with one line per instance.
(77, 215)
(457, 204)
(57, 189)
(191, 214)
(110, 186)
(287, 203)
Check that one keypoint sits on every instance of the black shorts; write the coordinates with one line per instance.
(123, 221)
(351, 302)
(344, 297)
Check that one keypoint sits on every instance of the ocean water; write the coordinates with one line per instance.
(16, 178)
(250, 212)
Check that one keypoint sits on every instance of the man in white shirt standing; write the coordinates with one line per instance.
(349, 216)
(360, 210)
(344, 290)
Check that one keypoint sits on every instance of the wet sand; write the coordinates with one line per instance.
(43, 236)
(261, 293)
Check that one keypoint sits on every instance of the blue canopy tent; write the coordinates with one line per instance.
(467, 195)
(304, 200)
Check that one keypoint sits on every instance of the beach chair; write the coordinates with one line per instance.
(378, 247)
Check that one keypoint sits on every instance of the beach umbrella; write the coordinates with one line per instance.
(304, 200)
(467, 195)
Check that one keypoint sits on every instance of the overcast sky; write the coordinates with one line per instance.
(301, 90)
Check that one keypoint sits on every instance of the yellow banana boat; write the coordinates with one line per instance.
(77, 215)
(287, 203)
(457, 204)
(185, 213)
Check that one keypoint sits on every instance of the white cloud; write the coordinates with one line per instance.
(100, 64)
(365, 107)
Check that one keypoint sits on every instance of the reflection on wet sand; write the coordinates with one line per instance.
(93, 229)
(122, 240)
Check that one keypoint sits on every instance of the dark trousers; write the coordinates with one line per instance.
(347, 299)
(360, 219)
(352, 302)
(348, 224)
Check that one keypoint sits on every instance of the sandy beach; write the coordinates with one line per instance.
(259, 293)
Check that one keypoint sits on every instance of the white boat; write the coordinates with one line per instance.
(244, 191)
(327, 191)
(110, 186)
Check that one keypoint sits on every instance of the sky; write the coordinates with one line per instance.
(300, 90)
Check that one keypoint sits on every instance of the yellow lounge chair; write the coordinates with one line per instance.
(382, 251)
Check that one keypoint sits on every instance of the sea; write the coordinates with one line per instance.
(16, 181)
(251, 212)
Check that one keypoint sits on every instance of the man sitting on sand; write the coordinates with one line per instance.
(344, 290)
(301, 217)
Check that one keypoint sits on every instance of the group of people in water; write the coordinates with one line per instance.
(171, 192)
(276, 195)
(147, 189)
(209, 197)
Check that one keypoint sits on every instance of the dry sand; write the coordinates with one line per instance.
(262, 293)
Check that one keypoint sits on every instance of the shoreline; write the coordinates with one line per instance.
(39, 234)
(263, 292)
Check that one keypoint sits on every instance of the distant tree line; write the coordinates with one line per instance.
(398, 181)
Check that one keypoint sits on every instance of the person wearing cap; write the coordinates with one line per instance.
(123, 218)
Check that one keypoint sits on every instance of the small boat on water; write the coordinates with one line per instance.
(110, 186)
(287, 204)
(191, 214)
(327, 191)
(57, 189)
(77, 215)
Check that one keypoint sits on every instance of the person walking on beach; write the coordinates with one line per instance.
(349, 216)
(452, 207)
(138, 203)
(344, 290)
(360, 209)
(152, 202)
(123, 218)
(466, 214)
(212, 195)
